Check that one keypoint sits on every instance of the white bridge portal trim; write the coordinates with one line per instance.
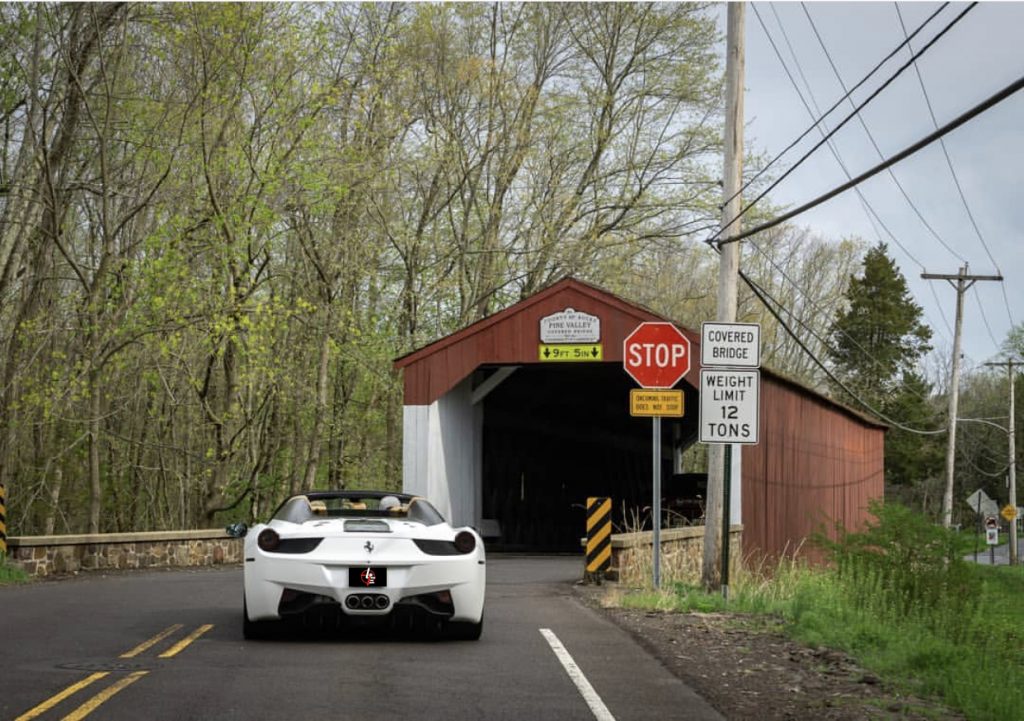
(442, 454)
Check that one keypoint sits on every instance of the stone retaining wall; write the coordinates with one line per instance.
(681, 554)
(47, 555)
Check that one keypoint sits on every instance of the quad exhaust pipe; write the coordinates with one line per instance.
(367, 601)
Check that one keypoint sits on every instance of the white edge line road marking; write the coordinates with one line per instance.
(600, 711)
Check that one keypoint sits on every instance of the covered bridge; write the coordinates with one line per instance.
(513, 421)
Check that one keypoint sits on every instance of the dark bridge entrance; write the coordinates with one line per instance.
(555, 434)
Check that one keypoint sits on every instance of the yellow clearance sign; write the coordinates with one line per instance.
(650, 403)
(556, 352)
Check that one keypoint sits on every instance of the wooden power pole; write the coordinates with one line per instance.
(729, 256)
(963, 281)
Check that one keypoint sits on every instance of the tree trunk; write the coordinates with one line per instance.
(320, 411)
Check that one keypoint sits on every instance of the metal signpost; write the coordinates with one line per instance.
(656, 355)
(992, 537)
(729, 402)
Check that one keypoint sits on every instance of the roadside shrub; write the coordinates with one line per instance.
(904, 567)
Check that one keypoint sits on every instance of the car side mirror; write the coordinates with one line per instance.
(237, 530)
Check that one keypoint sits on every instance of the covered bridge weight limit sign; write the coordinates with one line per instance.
(656, 355)
(730, 391)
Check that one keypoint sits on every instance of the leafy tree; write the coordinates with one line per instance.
(220, 222)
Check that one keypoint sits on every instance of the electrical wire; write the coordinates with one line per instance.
(872, 215)
(952, 125)
(945, 152)
(952, 171)
(949, 26)
(984, 316)
(831, 146)
(874, 144)
(835, 105)
(878, 150)
(761, 296)
(807, 296)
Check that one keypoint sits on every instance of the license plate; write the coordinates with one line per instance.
(368, 577)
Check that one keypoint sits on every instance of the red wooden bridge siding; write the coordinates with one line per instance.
(512, 336)
(817, 463)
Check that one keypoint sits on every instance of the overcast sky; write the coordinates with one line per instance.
(979, 56)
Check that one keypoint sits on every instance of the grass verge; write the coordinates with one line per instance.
(900, 601)
(11, 574)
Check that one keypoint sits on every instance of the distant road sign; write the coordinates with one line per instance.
(656, 355)
(655, 402)
(1009, 512)
(980, 503)
(729, 405)
(737, 345)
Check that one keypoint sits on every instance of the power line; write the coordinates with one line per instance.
(952, 171)
(831, 146)
(871, 138)
(873, 217)
(842, 123)
(984, 317)
(867, 354)
(878, 150)
(822, 116)
(902, 155)
(761, 295)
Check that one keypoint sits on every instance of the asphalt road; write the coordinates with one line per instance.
(77, 649)
(1001, 554)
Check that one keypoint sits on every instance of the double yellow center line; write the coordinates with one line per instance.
(124, 682)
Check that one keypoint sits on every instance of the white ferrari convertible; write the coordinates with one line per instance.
(366, 555)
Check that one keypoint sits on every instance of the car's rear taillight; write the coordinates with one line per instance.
(436, 548)
(268, 540)
(297, 545)
(465, 542)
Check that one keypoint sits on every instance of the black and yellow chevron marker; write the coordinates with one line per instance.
(3, 521)
(599, 534)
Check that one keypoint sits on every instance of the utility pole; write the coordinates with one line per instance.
(715, 514)
(1012, 438)
(963, 282)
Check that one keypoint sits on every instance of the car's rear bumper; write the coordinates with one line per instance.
(268, 576)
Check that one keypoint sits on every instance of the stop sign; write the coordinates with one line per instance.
(656, 355)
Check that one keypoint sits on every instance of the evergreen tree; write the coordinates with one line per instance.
(876, 345)
(911, 458)
(880, 336)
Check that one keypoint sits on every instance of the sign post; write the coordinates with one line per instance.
(730, 391)
(656, 355)
(992, 537)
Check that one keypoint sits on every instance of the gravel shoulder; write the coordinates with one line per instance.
(747, 668)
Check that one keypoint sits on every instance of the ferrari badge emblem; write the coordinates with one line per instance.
(369, 547)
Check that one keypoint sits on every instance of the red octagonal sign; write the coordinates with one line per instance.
(656, 355)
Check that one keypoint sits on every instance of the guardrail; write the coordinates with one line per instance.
(50, 555)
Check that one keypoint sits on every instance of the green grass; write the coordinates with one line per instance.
(11, 574)
(899, 600)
